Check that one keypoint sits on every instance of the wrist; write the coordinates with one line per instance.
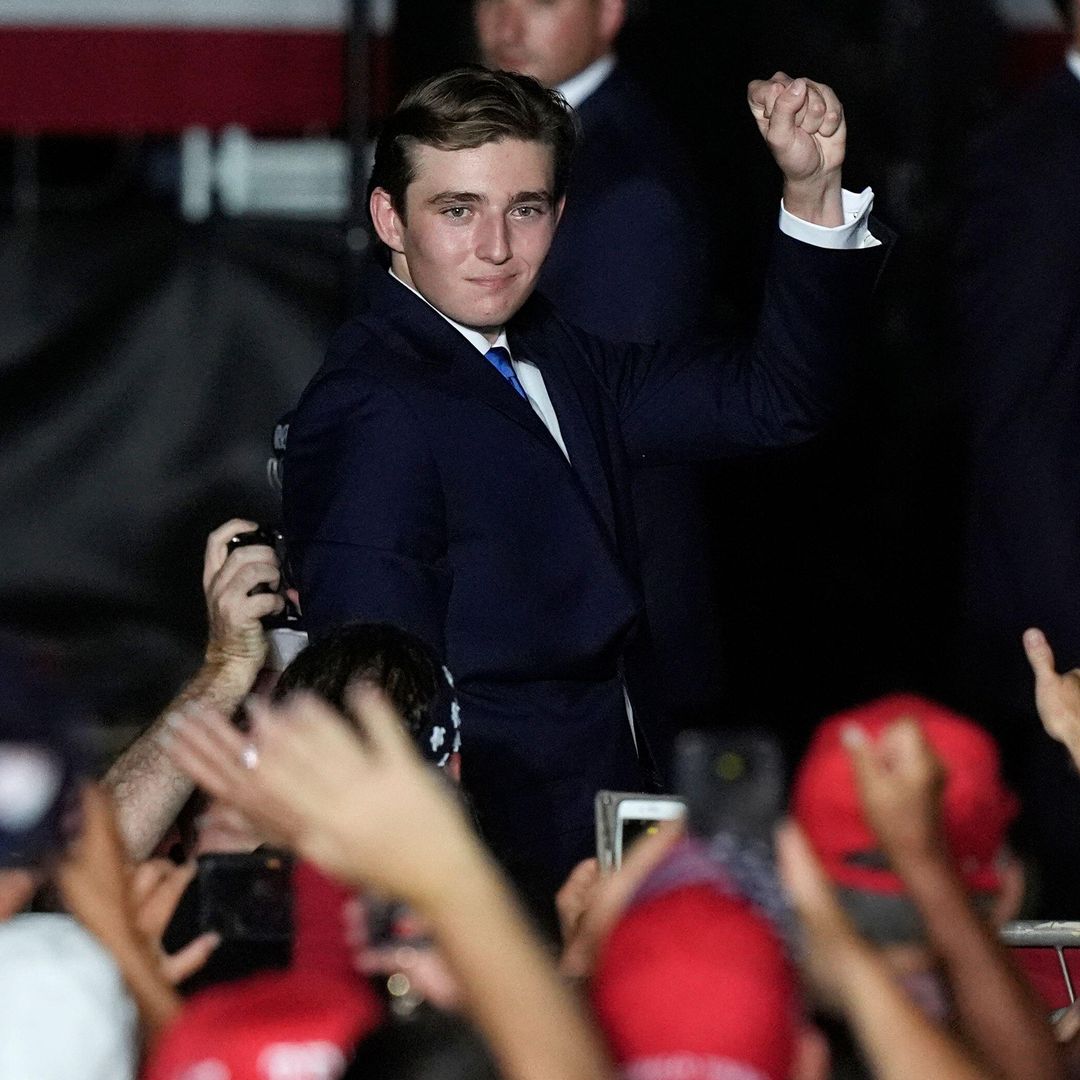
(224, 680)
(818, 201)
(927, 870)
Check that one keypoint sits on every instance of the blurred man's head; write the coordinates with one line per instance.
(551, 40)
(977, 812)
(418, 686)
(467, 189)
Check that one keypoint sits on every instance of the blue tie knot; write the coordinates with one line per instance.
(499, 359)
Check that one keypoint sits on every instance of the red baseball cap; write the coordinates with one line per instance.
(288, 1025)
(977, 806)
(694, 984)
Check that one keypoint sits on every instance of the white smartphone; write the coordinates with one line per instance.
(623, 816)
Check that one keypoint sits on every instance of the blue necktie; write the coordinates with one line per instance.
(499, 359)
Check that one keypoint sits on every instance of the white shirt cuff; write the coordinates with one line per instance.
(853, 234)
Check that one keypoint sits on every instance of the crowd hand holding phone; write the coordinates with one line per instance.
(240, 582)
(127, 909)
(590, 902)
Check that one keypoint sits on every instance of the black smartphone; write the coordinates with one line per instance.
(245, 897)
(731, 781)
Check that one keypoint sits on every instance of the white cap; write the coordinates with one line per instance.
(66, 1014)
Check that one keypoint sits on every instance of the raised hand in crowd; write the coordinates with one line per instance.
(149, 790)
(127, 911)
(900, 782)
(363, 806)
(846, 973)
(1057, 696)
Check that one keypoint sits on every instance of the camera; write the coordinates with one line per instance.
(245, 897)
(271, 538)
(286, 635)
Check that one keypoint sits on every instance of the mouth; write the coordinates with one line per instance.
(511, 61)
(493, 283)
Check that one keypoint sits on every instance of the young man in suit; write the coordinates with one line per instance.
(460, 465)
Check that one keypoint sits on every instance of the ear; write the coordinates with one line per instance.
(388, 224)
(612, 16)
(559, 207)
(813, 1060)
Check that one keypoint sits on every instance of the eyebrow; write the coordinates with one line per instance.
(532, 196)
(456, 198)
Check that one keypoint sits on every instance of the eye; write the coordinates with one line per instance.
(529, 211)
(456, 213)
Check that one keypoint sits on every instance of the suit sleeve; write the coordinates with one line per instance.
(703, 399)
(363, 510)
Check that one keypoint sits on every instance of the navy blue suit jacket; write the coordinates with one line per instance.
(1019, 281)
(629, 262)
(420, 489)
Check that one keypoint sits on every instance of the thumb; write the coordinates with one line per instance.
(785, 109)
(1039, 654)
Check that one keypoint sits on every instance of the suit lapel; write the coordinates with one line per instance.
(569, 384)
(462, 371)
(414, 326)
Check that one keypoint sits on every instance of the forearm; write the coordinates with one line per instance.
(898, 1040)
(506, 975)
(998, 1010)
(148, 790)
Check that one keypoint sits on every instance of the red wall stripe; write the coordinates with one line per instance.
(159, 81)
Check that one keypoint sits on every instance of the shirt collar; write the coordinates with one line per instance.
(578, 87)
(473, 337)
(1072, 58)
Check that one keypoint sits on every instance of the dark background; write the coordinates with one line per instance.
(143, 362)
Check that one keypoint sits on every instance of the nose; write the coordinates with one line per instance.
(506, 25)
(493, 240)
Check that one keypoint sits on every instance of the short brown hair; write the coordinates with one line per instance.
(466, 108)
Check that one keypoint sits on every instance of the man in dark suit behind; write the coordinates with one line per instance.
(1018, 278)
(460, 465)
(629, 262)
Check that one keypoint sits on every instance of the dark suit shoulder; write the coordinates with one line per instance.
(1042, 126)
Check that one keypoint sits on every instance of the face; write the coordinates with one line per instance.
(477, 227)
(551, 40)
